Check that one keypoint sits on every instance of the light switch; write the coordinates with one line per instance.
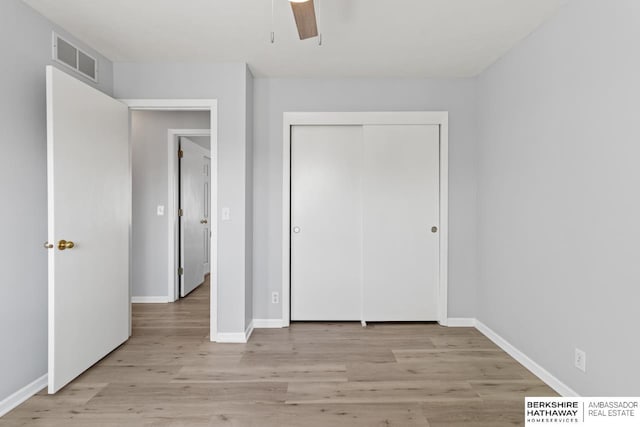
(226, 214)
(160, 210)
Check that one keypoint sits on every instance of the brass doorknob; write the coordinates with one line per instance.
(434, 229)
(63, 244)
(204, 221)
(47, 245)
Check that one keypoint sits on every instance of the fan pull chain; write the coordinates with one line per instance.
(273, 34)
(318, 24)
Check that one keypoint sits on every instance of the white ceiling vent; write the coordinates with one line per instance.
(70, 55)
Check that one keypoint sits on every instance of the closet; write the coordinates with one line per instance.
(364, 222)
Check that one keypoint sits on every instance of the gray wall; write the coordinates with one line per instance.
(24, 52)
(559, 206)
(227, 84)
(150, 183)
(275, 96)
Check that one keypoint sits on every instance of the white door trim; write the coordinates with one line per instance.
(440, 118)
(210, 105)
(173, 203)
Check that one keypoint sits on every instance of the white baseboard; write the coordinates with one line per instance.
(461, 322)
(23, 394)
(235, 337)
(248, 331)
(539, 371)
(267, 323)
(231, 337)
(150, 300)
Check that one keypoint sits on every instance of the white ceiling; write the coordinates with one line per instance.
(363, 38)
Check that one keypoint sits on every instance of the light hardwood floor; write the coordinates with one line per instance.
(311, 374)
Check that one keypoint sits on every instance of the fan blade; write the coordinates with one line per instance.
(305, 16)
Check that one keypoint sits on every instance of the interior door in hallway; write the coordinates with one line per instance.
(89, 215)
(326, 222)
(194, 221)
(205, 214)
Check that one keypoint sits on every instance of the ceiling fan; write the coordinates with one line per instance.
(304, 13)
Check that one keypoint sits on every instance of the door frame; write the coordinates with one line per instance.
(172, 205)
(439, 118)
(210, 105)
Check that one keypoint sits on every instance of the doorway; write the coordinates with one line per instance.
(90, 169)
(160, 207)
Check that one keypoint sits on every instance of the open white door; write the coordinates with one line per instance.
(89, 211)
(194, 225)
(207, 220)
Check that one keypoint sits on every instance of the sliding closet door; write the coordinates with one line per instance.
(400, 205)
(326, 222)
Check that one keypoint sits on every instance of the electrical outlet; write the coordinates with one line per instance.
(580, 360)
(275, 298)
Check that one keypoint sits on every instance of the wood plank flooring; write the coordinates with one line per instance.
(311, 374)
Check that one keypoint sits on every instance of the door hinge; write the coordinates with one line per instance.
(180, 212)
(180, 154)
(180, 271)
